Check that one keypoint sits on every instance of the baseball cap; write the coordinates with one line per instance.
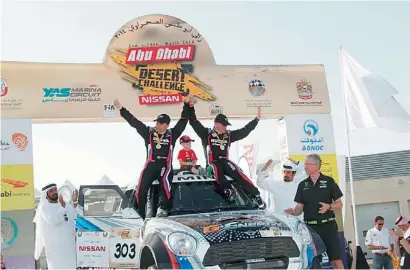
(185, 138)
(402, 221)
(163, 119)
(221, 118)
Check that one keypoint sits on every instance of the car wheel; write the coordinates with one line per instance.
(317, 263)
(152, 267)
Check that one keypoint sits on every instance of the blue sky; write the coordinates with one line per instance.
(239, 33)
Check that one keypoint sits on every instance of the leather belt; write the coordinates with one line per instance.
(381, 254)
(317, 222)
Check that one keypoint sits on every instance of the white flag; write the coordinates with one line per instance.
(370, 99)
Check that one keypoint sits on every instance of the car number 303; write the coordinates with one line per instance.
(124, 250)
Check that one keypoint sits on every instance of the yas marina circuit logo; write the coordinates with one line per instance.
(92, 93)
(164, 77)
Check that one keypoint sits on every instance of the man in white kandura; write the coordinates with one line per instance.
(283, 191)
(55, 229)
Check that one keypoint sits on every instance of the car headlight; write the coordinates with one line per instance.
(304, 233)
(182, 244)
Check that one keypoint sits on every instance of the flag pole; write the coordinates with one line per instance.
(349, 154)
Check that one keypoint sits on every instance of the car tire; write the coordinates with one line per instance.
(317, 263)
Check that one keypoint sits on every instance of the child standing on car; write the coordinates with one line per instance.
(187, 157)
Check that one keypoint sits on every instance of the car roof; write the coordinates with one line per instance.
(181, 176)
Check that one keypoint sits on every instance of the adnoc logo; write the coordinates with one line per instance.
(311, 142)
(310, 127)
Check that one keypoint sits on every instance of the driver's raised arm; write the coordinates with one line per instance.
(141, 128)
(182, 122)
(199, 129)
(242, 133)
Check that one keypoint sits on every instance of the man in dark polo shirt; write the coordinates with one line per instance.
(317, 197)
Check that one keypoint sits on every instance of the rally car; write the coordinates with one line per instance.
(203, 230)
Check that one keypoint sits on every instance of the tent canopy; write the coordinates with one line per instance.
(105, 180)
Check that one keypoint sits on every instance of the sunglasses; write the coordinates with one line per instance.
(380, 224)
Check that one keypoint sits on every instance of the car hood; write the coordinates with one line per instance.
(223, 227)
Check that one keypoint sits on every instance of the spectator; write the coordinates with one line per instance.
(318, 196)
(187, 157)
(403, 234)
(55, 229)
(283, 190)
(378, 240)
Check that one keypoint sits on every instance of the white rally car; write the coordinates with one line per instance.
(203, 231)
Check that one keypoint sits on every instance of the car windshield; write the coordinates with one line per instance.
(202, 197)
(102, 202)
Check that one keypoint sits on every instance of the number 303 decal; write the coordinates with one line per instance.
(123, 251)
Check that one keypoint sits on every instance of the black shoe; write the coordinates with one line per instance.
(259, 201)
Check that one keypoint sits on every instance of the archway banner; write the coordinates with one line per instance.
(150, 64)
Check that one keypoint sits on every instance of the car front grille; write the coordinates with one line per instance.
(279, 263)
(240, 251)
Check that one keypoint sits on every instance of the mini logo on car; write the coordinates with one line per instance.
(250, 233)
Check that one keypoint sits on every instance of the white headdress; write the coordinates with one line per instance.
(39, 221)
(289, 166)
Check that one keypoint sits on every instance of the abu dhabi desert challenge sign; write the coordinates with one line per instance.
(150, 64)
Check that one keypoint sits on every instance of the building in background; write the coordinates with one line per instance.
(382, 188)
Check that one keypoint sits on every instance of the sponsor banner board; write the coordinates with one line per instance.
(152, 63)
(17, 187)
(307, 133)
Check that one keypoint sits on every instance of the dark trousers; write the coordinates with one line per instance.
(189, 167)
(155, 171)
(329, 234)
(226, 167)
